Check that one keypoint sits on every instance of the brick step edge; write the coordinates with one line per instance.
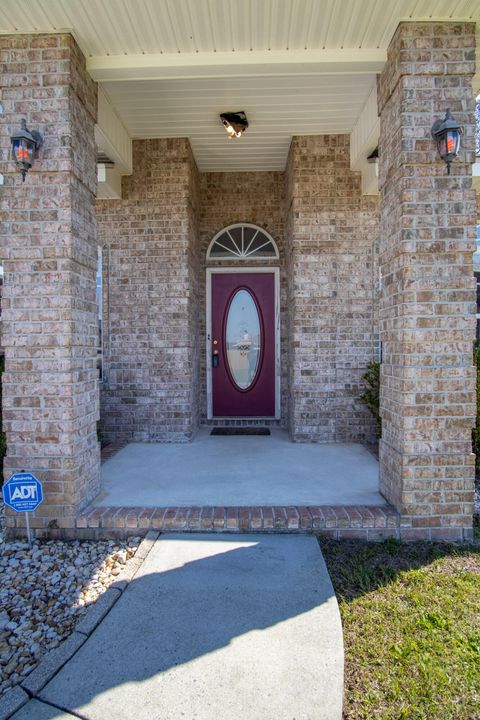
(359, 521)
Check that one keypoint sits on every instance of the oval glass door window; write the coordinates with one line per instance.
(243, 339)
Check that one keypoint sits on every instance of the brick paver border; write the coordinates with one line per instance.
(359, 521)
(363, 522)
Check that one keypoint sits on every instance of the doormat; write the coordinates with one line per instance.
(240, 431)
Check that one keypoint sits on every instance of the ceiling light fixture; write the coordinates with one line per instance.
(235, 123)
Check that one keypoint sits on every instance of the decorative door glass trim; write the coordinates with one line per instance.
(243, 339)
(242, 241)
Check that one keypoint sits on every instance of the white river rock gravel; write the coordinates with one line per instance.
(45, 590)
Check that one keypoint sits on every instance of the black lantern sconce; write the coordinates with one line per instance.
(25, 144)
(235, 123)
(447, 134)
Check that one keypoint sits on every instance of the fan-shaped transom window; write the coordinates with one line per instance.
(242, 242)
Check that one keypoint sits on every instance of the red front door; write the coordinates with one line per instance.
(243, 344)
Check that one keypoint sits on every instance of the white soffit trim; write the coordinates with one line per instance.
(366, 132)
(476, 77)
(370, 178)
(109, 183)
(160, 66)
(111, 136)
(363, 141)
(476, 176)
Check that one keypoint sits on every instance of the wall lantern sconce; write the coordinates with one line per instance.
(235, 123)
(25, 144)
(447, 134)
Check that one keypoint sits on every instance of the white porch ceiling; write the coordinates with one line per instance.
(129, 27)
(277, 108)
(170, 67)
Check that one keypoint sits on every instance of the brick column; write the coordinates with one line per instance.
(48, 240)
(427, 313)
(331, 239)
(150, 386)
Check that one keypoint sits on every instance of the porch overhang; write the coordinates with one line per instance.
(334, 246)
(168, 70)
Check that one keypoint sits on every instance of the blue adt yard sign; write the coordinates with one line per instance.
(22, 492)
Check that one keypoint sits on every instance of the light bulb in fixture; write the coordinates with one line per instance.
(447, 133)
(235, 123)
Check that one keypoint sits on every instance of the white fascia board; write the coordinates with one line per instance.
(476, 177)
(109, 183)
(162, 66)
(476, 80)
(476, 77)
(111, 136)
(366, 132)
(369, 172)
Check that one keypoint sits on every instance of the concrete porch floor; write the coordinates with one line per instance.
(240, 471)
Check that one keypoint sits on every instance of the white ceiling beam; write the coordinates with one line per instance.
(162, 66)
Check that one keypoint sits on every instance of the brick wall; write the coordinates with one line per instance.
(154, 309)
(331, 240)
(427, 313)
(253, 197)
(50, 387)
(151, 346)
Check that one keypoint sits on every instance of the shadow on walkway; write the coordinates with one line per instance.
(239, 626)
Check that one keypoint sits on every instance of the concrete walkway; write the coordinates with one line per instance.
(240, 471)
(239, 627)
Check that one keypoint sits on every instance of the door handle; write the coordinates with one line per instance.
(215, 355)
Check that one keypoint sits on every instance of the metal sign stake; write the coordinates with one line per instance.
(28, 531)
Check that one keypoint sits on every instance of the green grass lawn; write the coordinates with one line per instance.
(411, 620)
